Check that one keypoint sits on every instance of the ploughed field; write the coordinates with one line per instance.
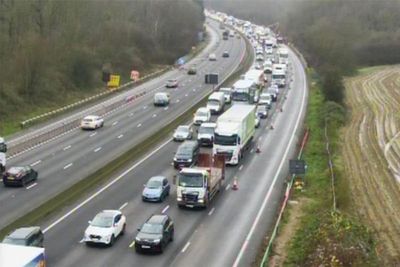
(371, 154)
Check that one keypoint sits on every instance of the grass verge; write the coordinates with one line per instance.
(101, 176)
(326, 237)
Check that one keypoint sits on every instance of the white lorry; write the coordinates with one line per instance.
(21, 256)
(244, 91)
(257, 76)
(283, 54)
(216, 102)
(197, 186)
(3, 150)
(278, 76)
(234, 132)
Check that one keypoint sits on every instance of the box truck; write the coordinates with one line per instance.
(21, 256)
(3, 150)
(197, 186)
(234, 132)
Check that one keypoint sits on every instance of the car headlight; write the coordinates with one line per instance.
(179, 198)
(175, 159)
(189, 160)
(137, 239)
(156, 240)
(201, 200)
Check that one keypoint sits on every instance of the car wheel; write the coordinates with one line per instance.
(162, 247)
(23, 182)
(112, 241)
(171, 238)
(123, 229)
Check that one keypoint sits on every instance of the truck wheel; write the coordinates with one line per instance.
(2, 168)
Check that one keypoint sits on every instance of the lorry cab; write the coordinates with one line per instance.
(216, 102)
(205, 134)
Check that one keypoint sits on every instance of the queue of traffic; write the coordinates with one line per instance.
(227, 124)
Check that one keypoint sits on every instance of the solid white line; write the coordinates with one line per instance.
(36, 163)
(227, 187)
(165, 209)
(97, 149)
(120, 136)
(105, 187)
(67, 147)
(67, 166)
(123, 206)
(81, 241)
(31, 186)
(185, 247)
(139, 125)
(93, 134)
(132, 244)
(268, 195)
(211, 211)
(115, 123)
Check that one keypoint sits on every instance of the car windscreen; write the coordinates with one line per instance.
(190, 180)
(182, 130)
(278, 76)
(184, 153)
(201, 113)
(212, 102)
(150, 228)
(153, 184)
(206, 130)
(102, 220)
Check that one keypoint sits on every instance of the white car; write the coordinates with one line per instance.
(172, 83)
(183, 132)
(212, 57)
(105, 227)
(92, 122)
(265, 99)
(201, 115)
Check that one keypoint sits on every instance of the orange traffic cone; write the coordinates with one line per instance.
(235, 185)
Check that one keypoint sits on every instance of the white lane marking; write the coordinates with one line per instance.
(36, 163)
(132, 244)
(67, 147)
(131, 114)
(211, 211)
(241, 167)
(81, 241)
(93, 134)
(104, 188)
(120, 136)
(268, 195)
(154, 115)
(97, 149)
(252, 150)
(186, 94)
(144, 107)
(185, 247)
(177, 101)
(123, 206)
(165, 209)
(194, 89)
(227, 187)
(139, 125)
(166, 108)
(31, 186)
(115, 123)
(67, 166)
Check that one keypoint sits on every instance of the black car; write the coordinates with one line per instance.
(225, 54)
(19, 176)
(187, 154)
(155, 234)
(192, 71)
(26, 236)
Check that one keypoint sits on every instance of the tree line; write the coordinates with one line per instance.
(52, 49)
(335, 36)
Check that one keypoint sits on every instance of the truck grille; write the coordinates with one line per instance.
(190, 197)
(226, 154)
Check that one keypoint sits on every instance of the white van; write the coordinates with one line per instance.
(227, 93)
(216, 102)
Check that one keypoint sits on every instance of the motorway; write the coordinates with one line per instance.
(228, 233)
(71, 157)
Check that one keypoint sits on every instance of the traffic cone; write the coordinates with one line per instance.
(258, 150)
(272, 126)
(281, 109)
(235, 185)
